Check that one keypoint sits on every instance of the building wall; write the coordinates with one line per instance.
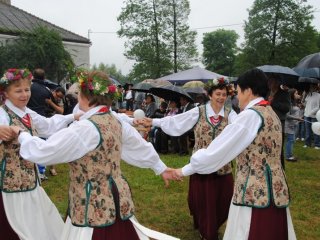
(80, 52)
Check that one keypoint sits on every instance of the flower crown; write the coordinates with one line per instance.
(96, 83)
(15, 74)
(217, 82)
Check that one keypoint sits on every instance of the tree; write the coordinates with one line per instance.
(111, 70)
(277, 32)
(41, 48)
(159, 39)
(219, 51)
(180, 39)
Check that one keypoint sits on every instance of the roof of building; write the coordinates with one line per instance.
(14, 21)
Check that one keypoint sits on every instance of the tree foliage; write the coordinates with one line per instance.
(41, 48)
(111, 70)
(219, 51)
(158, 37)
(277, 32)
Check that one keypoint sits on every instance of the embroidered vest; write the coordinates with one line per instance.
(259, 175)
(16, 174)
(205, 132)
(91, 202)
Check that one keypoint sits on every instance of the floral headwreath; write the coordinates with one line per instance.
(14, 74)
(96, 83)
(217, 82)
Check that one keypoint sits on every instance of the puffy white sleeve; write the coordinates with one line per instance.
(64, 146)
(138, 152)
(235, 138)
(232, 116)
(178, 124)
(47, 126)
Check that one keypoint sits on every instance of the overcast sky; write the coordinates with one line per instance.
(80, 16)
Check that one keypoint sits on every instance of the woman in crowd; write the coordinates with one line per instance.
(100, 201)
(312, 105)
(259, 208)
(209, 194)
(26, 212)
(291, 124)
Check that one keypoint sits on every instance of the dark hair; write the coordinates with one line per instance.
(39, 73)
(60, 89)
(164, 105)
(220, 87)
(256, 80)
(151, 96)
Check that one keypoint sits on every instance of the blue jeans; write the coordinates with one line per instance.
(310, 134)
(289, 145)
(300, 130)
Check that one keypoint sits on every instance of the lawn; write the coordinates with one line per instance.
(166, 209)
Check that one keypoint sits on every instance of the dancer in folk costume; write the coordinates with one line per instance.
(259, 208)
(210, 193)
(100, 201)
(26, 212)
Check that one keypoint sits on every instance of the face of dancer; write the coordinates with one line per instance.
(19, 93)
(218, 98)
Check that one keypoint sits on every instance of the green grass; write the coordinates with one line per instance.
(166, 209)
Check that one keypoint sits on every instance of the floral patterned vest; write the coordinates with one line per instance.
(16, 174)
(91, 202)
(259, 175)
(205, 132)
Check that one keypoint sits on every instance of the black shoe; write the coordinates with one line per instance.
(183, 153)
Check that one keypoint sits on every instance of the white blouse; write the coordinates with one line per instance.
(181, 123)
(81, 137)
(31, 214)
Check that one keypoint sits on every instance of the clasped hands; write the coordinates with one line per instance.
(171, 174)
(7, 133)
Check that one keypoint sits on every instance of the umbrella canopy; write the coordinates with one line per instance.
(50, 84)
(171, 92)
(193, 84)
(308, 72)
(195, 90)
(196, 73)
(157, 82)
(308, 80)
(283, 74)
(310, 61)
(142, 87)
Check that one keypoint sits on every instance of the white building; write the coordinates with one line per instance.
(14, 21)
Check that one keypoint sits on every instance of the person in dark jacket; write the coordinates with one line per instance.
(280, 102)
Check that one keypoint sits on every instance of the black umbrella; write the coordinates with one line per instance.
(142, 87)
(283, 74)
(50, 84)
(308, 72)
(308, 80)
(310, 61)
(171, 92)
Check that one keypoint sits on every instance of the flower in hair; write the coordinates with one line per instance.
(14, 74)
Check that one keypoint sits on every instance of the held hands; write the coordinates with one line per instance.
(171, 174)
(146, 122)
(7, 133)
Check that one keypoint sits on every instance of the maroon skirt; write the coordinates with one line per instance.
(209, 201)
(120, 229)
(6, 231)
(268, 223)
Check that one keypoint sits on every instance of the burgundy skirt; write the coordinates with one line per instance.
(6, 231)
(268, 223)
(209, 201)
(120, 229)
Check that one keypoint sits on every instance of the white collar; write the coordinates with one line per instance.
(254, 102)
(16, 110)
(91, 112)
(211, 113)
